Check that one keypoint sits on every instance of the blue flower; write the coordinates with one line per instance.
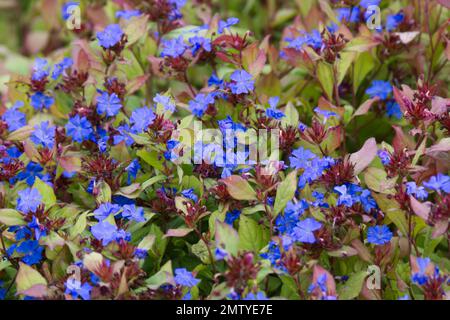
(345, 198)
(200, 103)
(242, 82)
(141, 118)
(220, 254)
(39, 229)
(132, 170)
(379, 235)
(110, 36)
(79, 129)
(214, 80)
(40, 69)
(173, 47)
(326, 114)
(60, 67)
(380, 89)
(109, 104)
(303, 232)
(232, 216)
(367, 201)
(14, 118)
(140, 253)
(31, 250)
(105, 210)
(438, 182)
(393, 21)
(29, 200)
(393, 110)
(165, 101)
(106, 232)
(66, 13)
(44, 135)
(189, 193)
(123, 135)
(131, 212)
(413, 189)
(127, 14)
(75, 289)
(348, 14)
(40, 101)
(185, 278)
(227, 24)
(258, 296)
(272, 112)
(300, 158)
(30, 173)
(367, 3)
(200, 43)
(384, 156)
(421, 277)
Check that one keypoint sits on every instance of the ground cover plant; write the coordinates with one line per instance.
(111, 186)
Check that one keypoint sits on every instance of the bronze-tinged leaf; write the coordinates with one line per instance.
(239, 188)
(364, 156)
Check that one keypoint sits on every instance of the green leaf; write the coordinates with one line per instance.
(239, 188)
(163, 276)
(252, 235)
(104, 193)
(326, 78)
(30, 282)
(285, 192)
(11, 217)
(376, 180)
(352, 287)
(227, 238)
(48, 196)
(79, 226)
(363, 65)
(393, 212)
(151, 158)
(152, 181)
(291, 116)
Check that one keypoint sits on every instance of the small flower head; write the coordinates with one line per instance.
(380, 89)
(40, 101)
(185, 278)
(44, 135)
(108, 104)
(29, 200)
(242, 82)
(79, 129)
(110, 36)
(379, 235)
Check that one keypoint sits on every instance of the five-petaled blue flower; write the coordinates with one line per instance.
(380, 89)
(200, 103)
(79, 129)
(173, 47)
(141, 118)
(241, 82)
(75, 289)
(165, 101)
(108, 104)
(106, 209)
(131, 212)
(304, 231)
(44, 135)
(379, 235)
(110, 36)
(40, 101)
(438, 182)
(393, 21)
(14, 118)
(300, 158)
(185, 278)
(29, 200)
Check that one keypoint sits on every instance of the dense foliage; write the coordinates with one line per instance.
(108, 190)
